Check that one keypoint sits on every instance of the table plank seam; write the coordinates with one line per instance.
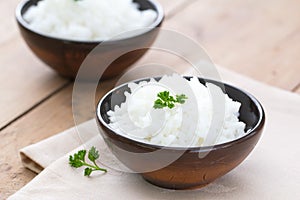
(37, 104)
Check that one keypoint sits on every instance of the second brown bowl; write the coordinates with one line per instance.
(66, 56)
(195, 166)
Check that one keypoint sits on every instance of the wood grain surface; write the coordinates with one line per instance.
(260, 39)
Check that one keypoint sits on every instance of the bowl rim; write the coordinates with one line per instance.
(158, 21)
(253, 131)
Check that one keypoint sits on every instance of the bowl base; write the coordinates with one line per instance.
(175, 186)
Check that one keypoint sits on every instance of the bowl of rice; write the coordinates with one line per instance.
(62, 33)
(189, 151)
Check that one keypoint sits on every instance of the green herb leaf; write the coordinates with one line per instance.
(181, 98)
(165, 100)
(158, 104)
(87, 171)
(164, 95)
(93, 154)
(81, 154)
(78, 160)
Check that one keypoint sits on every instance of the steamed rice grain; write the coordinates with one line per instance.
(136, 118)
(87, 19)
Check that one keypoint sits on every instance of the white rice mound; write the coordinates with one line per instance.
(134, 115)
(87, 19)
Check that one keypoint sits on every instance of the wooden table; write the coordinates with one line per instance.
(260, 39)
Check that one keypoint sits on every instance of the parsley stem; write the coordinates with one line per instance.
(99, 168)
(96, 167)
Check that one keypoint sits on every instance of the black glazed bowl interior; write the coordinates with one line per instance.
(189, 170)
(66, 56)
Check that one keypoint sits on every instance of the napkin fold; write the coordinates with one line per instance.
(272, 171)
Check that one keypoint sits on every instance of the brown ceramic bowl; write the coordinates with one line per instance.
(66, 56)
(188, 171)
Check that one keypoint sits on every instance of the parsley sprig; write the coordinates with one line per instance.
(166, 100)
(78, 160)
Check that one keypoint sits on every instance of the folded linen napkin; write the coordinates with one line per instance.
(270, 172)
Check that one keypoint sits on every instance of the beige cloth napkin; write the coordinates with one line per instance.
(272, 171)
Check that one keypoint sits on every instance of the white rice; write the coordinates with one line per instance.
(189, 124)
(87, 19)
